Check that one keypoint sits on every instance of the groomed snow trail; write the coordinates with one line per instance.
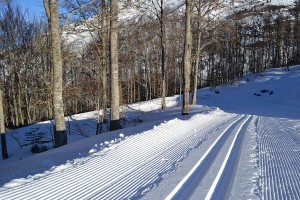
(221, 187)
(279, 147)
(127, 169)
(131, 168)
(247, 176)
(221, 158)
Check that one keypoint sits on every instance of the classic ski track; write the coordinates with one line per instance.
(279, 159)
(246, 177)
(54, 185)
(225, 168)
(208, 155)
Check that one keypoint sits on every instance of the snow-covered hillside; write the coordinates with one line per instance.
(77, 38)
(240, 142)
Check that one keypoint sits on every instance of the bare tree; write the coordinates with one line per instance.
(2, 128)
(160, 16)
(187, 57)
(2, 119)
(203, 9)
(104, 63)
(114, 67)
(60, 135)
(156, 8)
(80, 13)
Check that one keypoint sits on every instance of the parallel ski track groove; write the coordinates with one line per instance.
(66, 186)
(279, 160)
(68, 174)
(132, 180)
(221, 185)
(179, 190)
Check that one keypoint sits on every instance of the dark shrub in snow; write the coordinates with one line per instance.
(38, 148)
(37, 140)
(264, 91)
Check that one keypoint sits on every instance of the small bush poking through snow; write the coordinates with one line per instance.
(38, 149)
(37, 140)
(264, 91)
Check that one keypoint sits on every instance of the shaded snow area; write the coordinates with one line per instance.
(241, 141)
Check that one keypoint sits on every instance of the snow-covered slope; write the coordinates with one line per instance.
(76, 39)
(280, 98)
(249, 148)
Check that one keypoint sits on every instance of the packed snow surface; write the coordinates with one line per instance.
(242, 142)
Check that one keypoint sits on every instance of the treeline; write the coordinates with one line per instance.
(150, 53)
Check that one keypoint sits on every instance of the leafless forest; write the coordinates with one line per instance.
(150, 45)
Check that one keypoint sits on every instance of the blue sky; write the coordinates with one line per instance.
(32, 6)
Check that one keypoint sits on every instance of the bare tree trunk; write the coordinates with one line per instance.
(114, 68)
(15, 107)
(19, 106)
(187, 58)
(162, 40)
(28, 108)
(134, 82)
(104, 63)
(194, 98)
(149, 76)
(60, 135)
(2, 128)
(102, 119)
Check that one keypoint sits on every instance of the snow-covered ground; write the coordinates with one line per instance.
(241, 142)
